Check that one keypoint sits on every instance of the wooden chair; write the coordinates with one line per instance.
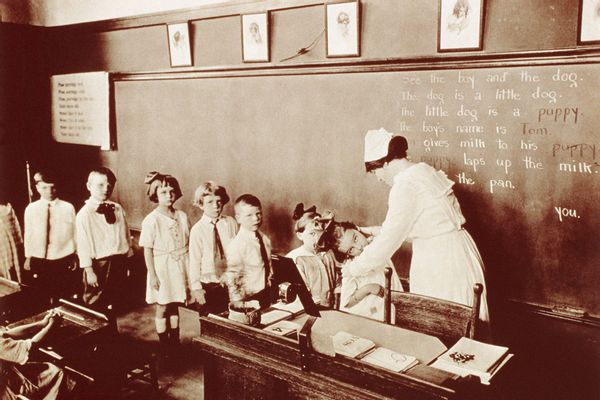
(447, 320)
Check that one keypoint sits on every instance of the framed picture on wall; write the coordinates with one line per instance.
(460, 25)
(180, 50)
(342, 22)
(589, 22)
(255, 37)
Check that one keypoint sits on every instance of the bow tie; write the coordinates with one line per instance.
(108, 210)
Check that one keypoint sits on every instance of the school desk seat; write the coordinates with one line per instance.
(447, 320)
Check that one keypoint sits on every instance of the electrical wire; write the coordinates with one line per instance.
(306, 49)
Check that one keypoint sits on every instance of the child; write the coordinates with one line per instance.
(165, 234)
(11, 242)
(208, 239)
(50, 239)
(361, 295)
(308, 237)
(317, 269)
(21, 377)
(103, 241)
(249, 253)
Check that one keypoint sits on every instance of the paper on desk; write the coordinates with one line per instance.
(282, 328)
(294, 307)
(273, 316)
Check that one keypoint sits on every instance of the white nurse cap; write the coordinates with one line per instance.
(376, 144)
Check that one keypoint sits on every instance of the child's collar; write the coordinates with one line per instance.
(95, 202)
(249, 233)
(53, 201)
(207, 219)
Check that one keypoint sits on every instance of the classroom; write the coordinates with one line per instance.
(247, 191)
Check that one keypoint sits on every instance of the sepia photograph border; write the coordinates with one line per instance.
(353, 9)
(478, 45)
(264, 27)
(177, 59)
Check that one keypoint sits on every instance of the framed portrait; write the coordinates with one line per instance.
(589, 22)
(255, 37)
(180, 50)
(342, 23)
(460, 25)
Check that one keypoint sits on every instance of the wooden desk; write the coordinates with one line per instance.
(10, 297)
(79, 333)
(16, 301)
(88, 345)
(242, 362)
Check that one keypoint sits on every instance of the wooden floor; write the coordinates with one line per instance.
(180, 376)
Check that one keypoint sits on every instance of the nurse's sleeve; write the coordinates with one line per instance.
(402, 213)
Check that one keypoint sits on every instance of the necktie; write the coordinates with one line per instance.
(47, 240)
(108, 210)
(265, 258)
(218, 252)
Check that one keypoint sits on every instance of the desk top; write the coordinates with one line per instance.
(8, 287)
(424, 347)
(77, 321)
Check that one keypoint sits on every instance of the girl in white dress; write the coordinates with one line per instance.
(165, 234)
(303, 219)
(318, 269)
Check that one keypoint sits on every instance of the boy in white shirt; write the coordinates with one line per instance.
(103, 241)
(50, 239)
(208, 239)
(249, 253)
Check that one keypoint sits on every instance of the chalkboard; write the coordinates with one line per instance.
(520, 141)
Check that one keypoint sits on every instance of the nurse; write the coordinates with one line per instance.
(422, 208)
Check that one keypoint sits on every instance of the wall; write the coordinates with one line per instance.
(23, 108)
(65, 12)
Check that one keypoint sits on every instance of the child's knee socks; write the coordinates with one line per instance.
(161, 329)
(174, 331)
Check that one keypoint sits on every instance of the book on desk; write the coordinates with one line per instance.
(470, 357)
(367, 351)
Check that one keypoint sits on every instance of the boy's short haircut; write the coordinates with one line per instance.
(47, 176)
(159, 180)
(210, 188)
(112, 179)
(249, 199)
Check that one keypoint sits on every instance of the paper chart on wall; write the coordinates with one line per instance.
(80, 109)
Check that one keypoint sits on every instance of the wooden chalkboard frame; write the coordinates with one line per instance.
(526, 59)
(442, 62)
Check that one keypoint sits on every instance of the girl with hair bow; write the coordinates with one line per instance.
(164, 237)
